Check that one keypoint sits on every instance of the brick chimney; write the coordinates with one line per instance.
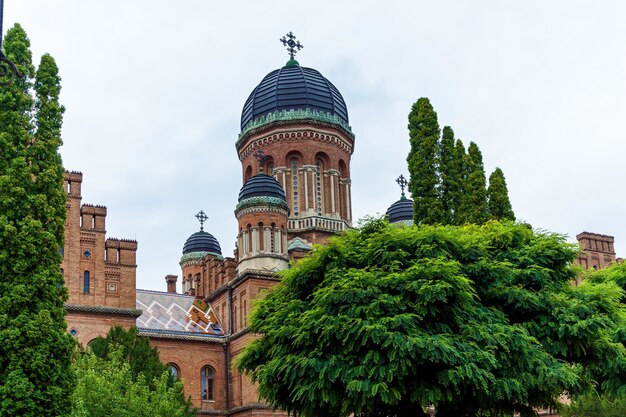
(171, 283)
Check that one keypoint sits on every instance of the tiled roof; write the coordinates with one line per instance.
(177, 313)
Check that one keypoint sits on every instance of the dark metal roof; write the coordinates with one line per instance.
(400, 210)
(261, 185)
(293, 87)
(202, 242)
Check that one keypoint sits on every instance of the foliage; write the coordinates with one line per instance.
(460, 172)
(594, 405)
(422, 159)
(108, 387)
(498, 203)
(35, 348)
(135, 350)
(447, 184)
(474, 203)
(451, 175)
(477, 320)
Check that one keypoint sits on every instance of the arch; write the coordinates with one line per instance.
(86, 282)
(324, 158)
(207, 375)
(343, 169)
(248, 173)
(174, 370)
(291, 155)
(268, 168)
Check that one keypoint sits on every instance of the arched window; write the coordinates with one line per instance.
(294, 174)
(273, 238)
(319, 186)
(207, 375)
(86, 282)
(248, 173)
(174, 370)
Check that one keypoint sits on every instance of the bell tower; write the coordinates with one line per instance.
(299, 120)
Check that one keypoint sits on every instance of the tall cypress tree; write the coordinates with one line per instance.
(423, 160)
(35, 348)
(448, 169)
(499, 205)
(460, 175)
(475, 191)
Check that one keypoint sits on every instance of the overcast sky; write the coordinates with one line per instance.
(154, 91)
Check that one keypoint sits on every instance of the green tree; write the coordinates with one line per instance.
(35, 348)
(498, 203)
(594, 405)
(423, 163)
(108, 387)
(135, 350)
(450, 175)
(460, 174)
(477, 320)
(475, 188)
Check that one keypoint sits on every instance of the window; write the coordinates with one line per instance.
(319, 186)
(294, 172)
(207, 375)
(173, 368)
(86, 282)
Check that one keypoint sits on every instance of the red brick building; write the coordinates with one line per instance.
(295, 147)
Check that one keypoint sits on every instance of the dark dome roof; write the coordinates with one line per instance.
(202, 242)
(293, 87)
(261, 185)
(400, 210)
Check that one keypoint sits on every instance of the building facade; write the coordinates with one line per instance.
(295, 148)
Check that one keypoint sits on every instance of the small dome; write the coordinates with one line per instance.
(261, 185)
(202, 242)
(294, 87)
(401, 211)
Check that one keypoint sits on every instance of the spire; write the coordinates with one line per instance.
(202, 217)
(402, 182)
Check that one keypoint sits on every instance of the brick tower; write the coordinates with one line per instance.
(299, 120)
(99, 272)
(262, 213)
(598, 251)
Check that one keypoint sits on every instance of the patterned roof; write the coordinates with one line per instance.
(293, 87)
(176, 313)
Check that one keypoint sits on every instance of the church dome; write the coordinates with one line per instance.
(293, 87)
(401, 211)
(261, 185)
(202, 242)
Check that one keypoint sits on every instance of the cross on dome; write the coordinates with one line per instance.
(293, 46)
(202, 217)
(402, 182)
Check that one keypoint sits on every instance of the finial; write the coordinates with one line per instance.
(202, 217)
(293, 45)
(402, 182)
(262, 158)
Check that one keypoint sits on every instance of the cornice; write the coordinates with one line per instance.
(104, 310)
(248, 145)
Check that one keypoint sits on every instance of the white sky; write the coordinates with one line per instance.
(154, 91)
